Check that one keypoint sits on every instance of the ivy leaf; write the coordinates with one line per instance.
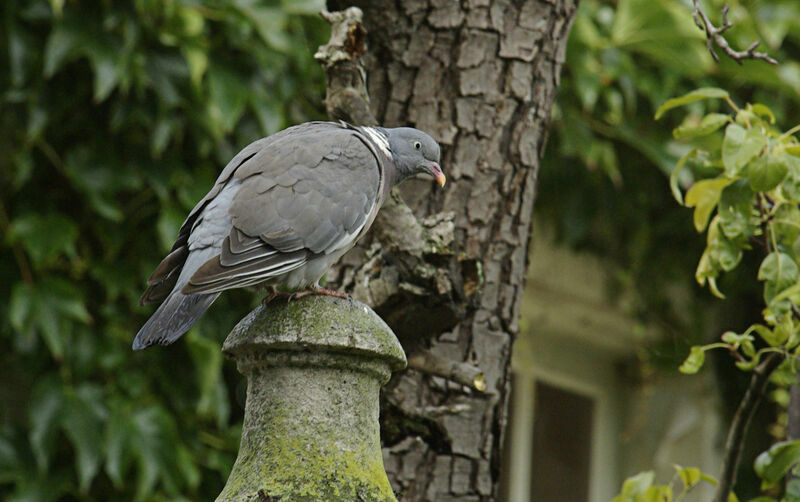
(82, 419)
(208, 361)
(227, 96)
(46, 308)
(46, 405)
(765, 173)
(44, 236)
(739, 147)
(773, 464)
(703, 196)
(707, 125)
(118, 436)
(696, 95)
(64, 43)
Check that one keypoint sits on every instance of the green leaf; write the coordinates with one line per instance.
(778, 267)
(696, 95)
(786, 223)
(673, 176)
(773, 338)
(635, 486)
(227, 96)
(64, 43)
(762, 111)
(47, 308)
(712, 285)
(305, 7)
(765, 173)
(45, 409)
(695, 361)
(722, 250)
(739, 147)
(791, 184)
(119, 434)
(208, 363)
(773, 464)
(104, 64)
(703, 196)
(270, 22)
(736, 339)
(690, 476)
(706, 269)
(780, 271)
(44, 236)
(168, 224)
(707, 125)
(793, 490)
(737, 216)
(197, 59)
(82, 419)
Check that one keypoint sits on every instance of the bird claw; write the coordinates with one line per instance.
(319, 291)
(274, 294)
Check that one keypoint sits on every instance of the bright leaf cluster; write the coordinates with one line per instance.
(750, 200)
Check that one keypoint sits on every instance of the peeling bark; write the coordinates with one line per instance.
(480, 76)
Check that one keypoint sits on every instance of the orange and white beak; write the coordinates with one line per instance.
(437, 173)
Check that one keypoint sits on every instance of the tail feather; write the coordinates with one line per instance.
(172, 319)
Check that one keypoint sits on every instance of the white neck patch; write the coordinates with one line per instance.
(379, 140)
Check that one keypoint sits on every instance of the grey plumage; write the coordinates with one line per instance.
(281, 213)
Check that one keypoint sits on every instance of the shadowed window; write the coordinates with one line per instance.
(562, 440)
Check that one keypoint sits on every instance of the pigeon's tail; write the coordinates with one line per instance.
(173, 318)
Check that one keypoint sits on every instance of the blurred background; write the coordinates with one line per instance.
(116, 117)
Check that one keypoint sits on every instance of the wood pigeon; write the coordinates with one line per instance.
(280, 214)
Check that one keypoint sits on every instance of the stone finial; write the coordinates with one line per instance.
(314, 369)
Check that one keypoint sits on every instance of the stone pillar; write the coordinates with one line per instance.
(314, 369)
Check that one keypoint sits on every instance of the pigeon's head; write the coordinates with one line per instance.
(414, 152)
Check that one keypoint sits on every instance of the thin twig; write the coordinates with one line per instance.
(714, 37)
(741, 421)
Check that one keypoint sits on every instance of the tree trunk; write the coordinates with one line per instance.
(480, 76)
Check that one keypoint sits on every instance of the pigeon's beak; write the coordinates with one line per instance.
(437, 173)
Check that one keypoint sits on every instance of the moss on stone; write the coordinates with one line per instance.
(310, 431)
(314, 321)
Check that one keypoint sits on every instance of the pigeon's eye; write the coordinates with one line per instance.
(417, 145)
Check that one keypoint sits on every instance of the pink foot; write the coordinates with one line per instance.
(317, 290)
(274, 294)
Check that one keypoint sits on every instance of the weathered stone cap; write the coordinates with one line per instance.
(317, 323)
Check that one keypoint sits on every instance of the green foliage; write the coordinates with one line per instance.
(749, 166)
(772, 465)
(116, 118)
(642, 487)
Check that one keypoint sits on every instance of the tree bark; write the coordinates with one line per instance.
(480, 76)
